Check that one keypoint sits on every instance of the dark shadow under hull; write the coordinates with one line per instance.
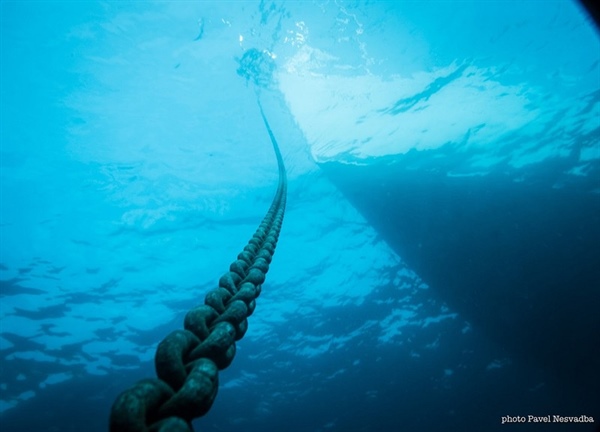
(518, 259)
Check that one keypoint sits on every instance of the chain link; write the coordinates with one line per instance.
(187, 361)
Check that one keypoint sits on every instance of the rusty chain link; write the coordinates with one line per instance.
(187, 361)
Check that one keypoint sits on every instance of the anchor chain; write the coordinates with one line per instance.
(187, 361)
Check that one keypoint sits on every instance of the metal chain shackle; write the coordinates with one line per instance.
(187, 361)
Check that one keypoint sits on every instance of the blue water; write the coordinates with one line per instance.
(438, 266)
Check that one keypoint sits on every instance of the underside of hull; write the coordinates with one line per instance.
(519, 259)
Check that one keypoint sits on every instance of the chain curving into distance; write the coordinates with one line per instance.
(187, 361)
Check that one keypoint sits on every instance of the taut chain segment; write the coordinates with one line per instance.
(188, 361)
